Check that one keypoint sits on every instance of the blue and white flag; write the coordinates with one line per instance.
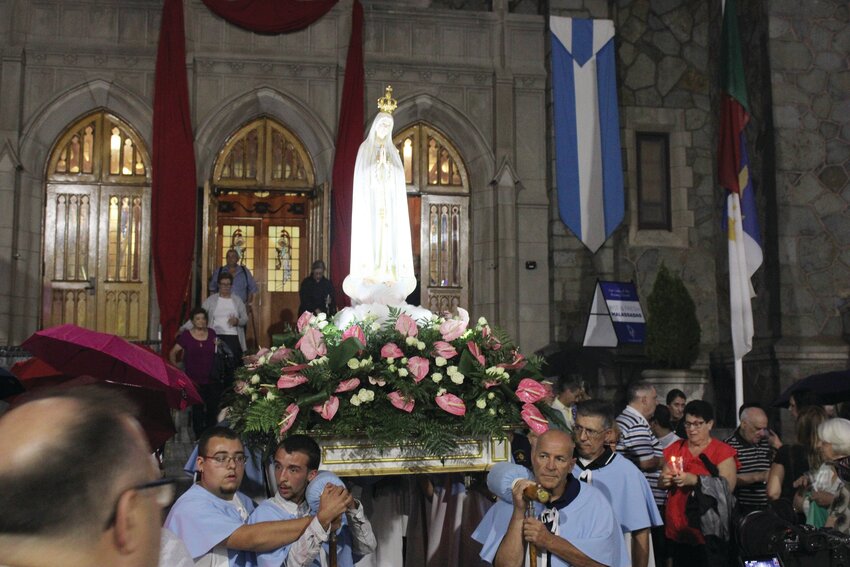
(589, 171)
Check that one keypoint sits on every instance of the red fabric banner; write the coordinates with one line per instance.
(270, 16)
(173, 183)
(348, 138)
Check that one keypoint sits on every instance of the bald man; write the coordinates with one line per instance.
(576, 527)
(756, 445)
(79, 485)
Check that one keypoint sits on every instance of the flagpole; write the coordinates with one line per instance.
(739, 387)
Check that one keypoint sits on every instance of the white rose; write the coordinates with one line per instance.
(404, 360)
(402, 372)
(270, 395)
(355, 400)
(441, 391)
(451, 370)
(391, 367)
(353, 363)
(375, 327)
(410, 341)
(491, 395)
(420, 345)
(491, 411)
(255, 379)
(366, 395)
(390, 360)
(457, 378)
(321, 317)
(436, 377)
(482, 321)
(254, 397)
(481, 403)
(440, 361)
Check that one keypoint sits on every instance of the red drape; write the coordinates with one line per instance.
(348, 138)
(173, 183)
(270, 16)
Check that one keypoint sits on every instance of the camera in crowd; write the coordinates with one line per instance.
(773, 538)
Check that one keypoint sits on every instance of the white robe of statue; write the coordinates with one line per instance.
(381, 254)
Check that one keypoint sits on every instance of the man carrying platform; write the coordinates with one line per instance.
(576, 527)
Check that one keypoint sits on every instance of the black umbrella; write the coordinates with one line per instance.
(828, 387)
(9, 385)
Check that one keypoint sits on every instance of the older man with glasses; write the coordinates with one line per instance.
(80, 486)
(211, 516)
(756, 445)
(622, 483)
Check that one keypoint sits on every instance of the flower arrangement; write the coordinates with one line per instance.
(434, 381)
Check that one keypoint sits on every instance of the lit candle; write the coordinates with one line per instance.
(676, 465)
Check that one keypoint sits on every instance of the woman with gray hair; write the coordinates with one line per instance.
(834, 443)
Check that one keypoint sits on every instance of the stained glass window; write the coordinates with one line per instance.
(283, 258)
(431, 164)
(124, 247)
(238, 237)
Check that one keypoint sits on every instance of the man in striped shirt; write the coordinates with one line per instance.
(637, 443)
(756, 445)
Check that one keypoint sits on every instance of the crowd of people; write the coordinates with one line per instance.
(624, 488)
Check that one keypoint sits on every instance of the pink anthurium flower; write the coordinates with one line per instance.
(293, 368)
(452, 329)
(451, 404)
(288, 418)
(280, 355)
(530, 391)
(490, 384)
(303, 321)
(406, 325)
(356, 332)
(291, 380)
(347, 385)
(534, 419)
(444, 349)
(312, 344)
(475, 351)
(327, 409)
(419, 367)
(397, 399)
(391, 350)
(516, 364)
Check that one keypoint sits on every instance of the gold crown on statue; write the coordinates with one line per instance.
(387, 103)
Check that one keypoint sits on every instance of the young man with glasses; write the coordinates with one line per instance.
(756, 445)
(620, 481)
(80, 486)
(211, 516)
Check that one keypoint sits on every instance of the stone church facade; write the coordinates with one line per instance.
(476, 75)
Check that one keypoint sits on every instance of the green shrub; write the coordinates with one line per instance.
(672, 327)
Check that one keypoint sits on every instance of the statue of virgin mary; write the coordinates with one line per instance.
(381, 269)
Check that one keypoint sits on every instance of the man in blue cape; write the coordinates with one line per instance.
(576, 527)
(616, 477)
(296, 463)
(211, 516)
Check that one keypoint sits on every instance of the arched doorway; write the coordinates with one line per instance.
(266, 207)
(96, 235)
(438, 199)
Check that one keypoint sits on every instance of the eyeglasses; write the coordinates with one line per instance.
(591, 433)
(694, 424)
(223, 460)
(164, 492)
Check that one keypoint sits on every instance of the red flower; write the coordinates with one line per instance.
(419, 367)
(530, 391)
(534, 419)
(327, 409)
(451, 404)
(391, 350)
(400, 401)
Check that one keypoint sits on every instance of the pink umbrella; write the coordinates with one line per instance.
(76, 351)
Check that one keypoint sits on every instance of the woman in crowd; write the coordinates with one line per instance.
(229, 316)
(680, 476)
(792, 461)
(834, 435)
(198, 347)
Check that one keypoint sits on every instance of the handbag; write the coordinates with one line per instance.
(224, 365)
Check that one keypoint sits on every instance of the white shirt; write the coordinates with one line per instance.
(225, 308)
